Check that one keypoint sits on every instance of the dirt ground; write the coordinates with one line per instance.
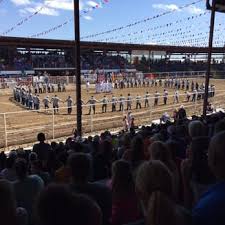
(22, 125)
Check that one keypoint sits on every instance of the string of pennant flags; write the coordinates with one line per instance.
(140, 21)
(83, 12)
(24, 20)
(144, 31)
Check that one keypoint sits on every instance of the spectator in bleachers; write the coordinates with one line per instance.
(159, 151)
(154, 186)
(9, 172)
(195, 171)
(7, 204)
(42, 149)
(210, 208)
(62, 174)
(80, 167)
(124, 200)
(58, 206)
(26, 187)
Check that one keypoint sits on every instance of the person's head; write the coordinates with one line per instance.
(41, 137)
(56, 205)
(159, 151)
(128, 94)
(220, 126)
(7, 203)
(147, 92)
(137, 148)
(153, 176)
(21, 167)
(216, 155)
(196, 129)
(55, 95)
(36, 167)
(10, 161)
(33, 157)
(122, 181)
(80, 165)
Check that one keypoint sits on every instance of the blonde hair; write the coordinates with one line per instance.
(153, 176)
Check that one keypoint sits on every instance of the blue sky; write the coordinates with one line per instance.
(111, 15)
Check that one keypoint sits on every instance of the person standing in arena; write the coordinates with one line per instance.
(92, 103)
(30, 101)
(138, 102)
(87, 86)
(147, 97)
(188, 96)
(176, 97)
(36, 100)
(194, 95)
(165, 96)
(69, 102)
(156, 102)
(40, 88)
(121, 101)
(55, 103)
(129, 102)
(63, 87)
(114, 101)
(46, 102)
(104, 104)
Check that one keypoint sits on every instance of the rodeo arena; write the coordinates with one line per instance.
(118, 124)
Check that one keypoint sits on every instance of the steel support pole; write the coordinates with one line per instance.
(5, 128)
(77, 65)
(212, 23)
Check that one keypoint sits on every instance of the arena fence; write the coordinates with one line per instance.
(20, 128)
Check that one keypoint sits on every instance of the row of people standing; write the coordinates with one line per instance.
(49, 87)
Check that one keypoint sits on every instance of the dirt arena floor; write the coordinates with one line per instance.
(22, 126)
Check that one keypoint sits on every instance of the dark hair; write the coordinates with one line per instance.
(137, 148)
(7, 203)
(21, 168)
(199, 168)
(41, 137)
(122, 180)
(56, 205)
(80, 166)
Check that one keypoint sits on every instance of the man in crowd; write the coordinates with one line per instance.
(55, 103)
(138, 102)
(129, 102)
(121, 101)
(156, 102)
(46, 102)
(165, 96)
(69, 102)
(210, 209)
(114, 101)
(147, 98)
(92, 101)
(104, 104)
(80, 167)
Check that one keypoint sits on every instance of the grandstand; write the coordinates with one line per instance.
(148, 154)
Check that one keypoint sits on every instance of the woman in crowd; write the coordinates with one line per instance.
(154, 187)
(159, 151)
(124, 200)
(196, 174)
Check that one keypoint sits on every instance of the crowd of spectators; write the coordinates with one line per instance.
(163, 174)
(93, 61)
